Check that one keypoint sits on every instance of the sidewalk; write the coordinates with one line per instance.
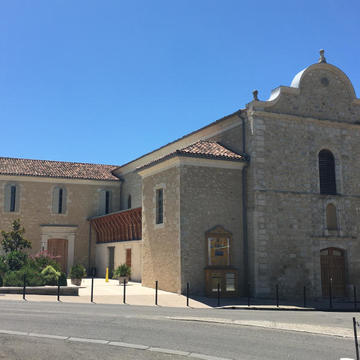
(112, 293)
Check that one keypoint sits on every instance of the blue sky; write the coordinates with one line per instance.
(107, 81)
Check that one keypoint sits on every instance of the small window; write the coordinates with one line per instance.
(107, 202)
(129, 202)
(159, 206)
(12, 197)
(327, 173)
(59, 200)
(331, 219)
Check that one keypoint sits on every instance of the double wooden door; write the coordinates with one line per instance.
(332, 262)
(59, 249)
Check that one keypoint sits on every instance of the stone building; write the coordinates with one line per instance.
(267, 195)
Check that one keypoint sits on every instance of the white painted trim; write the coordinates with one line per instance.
(190, 161)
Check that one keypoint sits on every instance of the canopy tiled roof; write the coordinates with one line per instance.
(56, 169)
(203, 149)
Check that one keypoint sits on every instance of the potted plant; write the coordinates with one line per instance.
(122, 272)
(77, 273)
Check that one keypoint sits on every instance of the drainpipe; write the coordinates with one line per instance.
(244, 211)
(89, 250)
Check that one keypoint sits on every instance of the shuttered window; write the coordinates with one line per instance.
(327, 173)
(105, 202)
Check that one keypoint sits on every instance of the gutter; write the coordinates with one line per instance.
(244, 211)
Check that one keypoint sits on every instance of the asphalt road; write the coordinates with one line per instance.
(156, 327)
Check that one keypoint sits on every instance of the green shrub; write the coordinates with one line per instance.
(77, 272)
(16, 278)
(122, 270)
(3, 266)
(43, 259)
(15, 260)
(50, 275)
(63, 279)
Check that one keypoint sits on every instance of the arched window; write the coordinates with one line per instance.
(331, 219)
(12, 198)
(129, 202)
(327, 172)
(59, 200)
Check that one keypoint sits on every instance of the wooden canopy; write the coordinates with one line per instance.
(120, 226)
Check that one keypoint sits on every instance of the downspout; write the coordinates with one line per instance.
(244, 211)
(89, 250)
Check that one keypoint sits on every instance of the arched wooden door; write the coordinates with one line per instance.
(332, 262)
(59, 249)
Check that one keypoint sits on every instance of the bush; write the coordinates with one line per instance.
(63, 279)
(3, 266)
(43, 259)
(122, 270)
(50, 275)
(16, 278)
(77, 272)
(1, 281)
(15, 260)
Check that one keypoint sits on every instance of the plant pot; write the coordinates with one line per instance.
(122, 278)
(76, 282)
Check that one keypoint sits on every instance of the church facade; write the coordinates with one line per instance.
(266, 196)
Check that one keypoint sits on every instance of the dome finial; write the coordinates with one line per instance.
(322, 56)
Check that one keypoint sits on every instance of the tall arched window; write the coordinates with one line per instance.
(331, 219)
(59, 200)
(129, 202)
(327, 173)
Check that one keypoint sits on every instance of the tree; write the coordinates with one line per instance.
(14, 240)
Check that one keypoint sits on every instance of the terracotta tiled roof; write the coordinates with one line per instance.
(56, 169)
(203, 149)
(211, 149)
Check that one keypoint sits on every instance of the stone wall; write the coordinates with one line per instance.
(35, 210)
(210, 196)
(287, 223)
(161, 242)
(131, 185)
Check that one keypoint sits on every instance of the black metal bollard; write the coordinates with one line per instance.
(92, 288)
(277, 295)
(330, 294)
(218, 294)
(58, 290)
(187, 293)
(355, 299)
(124, 294)
(304, 296)
(356, 340)
(156, 292)
(24, 288)
(248, 294)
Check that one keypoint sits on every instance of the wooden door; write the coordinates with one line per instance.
(59, 249)
(332, 262)
(128, 257)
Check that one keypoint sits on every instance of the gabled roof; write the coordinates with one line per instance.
(56, 169)
(202, 149)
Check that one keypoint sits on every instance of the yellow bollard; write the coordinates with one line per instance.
(107, 275)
